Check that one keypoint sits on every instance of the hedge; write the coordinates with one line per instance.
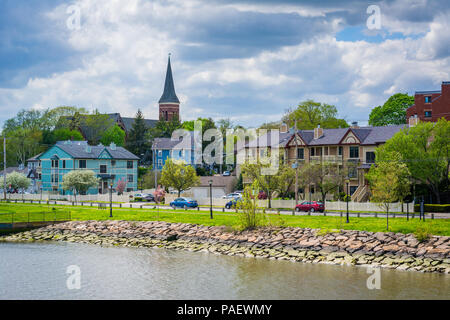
(433, 208)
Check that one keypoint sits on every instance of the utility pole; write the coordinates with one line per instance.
(4, 167)
(154, 164)
(296, 162)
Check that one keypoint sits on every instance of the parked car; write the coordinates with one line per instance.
(310, 206)
(184, 203)
(226, 173)
(144, 197)
(232, 203)
(232, 195)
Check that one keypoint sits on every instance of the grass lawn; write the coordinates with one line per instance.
(327, 223)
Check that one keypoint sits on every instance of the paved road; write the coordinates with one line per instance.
(147, 205)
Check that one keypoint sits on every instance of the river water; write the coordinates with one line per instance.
(39, 271)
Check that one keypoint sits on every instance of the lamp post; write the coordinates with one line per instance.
(347, 181)
(110, 199)
(210, 198)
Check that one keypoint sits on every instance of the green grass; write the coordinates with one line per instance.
(436, 227)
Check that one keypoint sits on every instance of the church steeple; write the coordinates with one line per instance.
(169, 105)
(169, 94)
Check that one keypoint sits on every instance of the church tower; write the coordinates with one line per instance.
(169, 105)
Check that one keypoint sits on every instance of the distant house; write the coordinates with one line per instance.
(431, 105)
(165, 148)
(110, 163)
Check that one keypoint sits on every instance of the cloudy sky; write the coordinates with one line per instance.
(247, 60)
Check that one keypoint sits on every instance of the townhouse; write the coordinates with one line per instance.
(109, 163)
(351, 149)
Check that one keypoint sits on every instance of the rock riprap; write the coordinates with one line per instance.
(351, 247)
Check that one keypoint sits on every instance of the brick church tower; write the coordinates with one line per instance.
(169, 105)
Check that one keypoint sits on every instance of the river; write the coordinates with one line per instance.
(38, 271)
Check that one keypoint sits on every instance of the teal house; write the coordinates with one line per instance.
(109, 163)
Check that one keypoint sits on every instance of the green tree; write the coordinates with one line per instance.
(164, 129)
(393, 111)
(17, 180)
(95, 125)
(325, 176)
(79, 181)
(115, 135)
(389, 182)
(269, 181)
(309, 114)
(63, 134)
(178, 175)
(425, 150)
(137, 140)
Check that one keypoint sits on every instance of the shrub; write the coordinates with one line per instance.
(423, 233)
(249, 214)
(433, 208)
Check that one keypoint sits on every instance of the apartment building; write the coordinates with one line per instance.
(352, 149)
(431, 105)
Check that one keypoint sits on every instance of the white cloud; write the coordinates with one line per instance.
(124, 46)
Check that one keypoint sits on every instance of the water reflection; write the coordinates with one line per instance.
(38, 271)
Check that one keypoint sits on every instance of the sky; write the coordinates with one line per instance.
(246, 60)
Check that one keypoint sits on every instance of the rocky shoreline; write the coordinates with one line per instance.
(387, 250)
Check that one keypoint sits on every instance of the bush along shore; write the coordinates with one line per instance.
(387, 250)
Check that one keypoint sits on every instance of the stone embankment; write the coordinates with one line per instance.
(388, 250)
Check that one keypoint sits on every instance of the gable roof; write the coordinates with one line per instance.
(81, 150)
(169, 144)
(366, 136)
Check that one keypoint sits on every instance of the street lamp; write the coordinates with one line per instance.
(210, 198)
(110, 199)
(347, 181)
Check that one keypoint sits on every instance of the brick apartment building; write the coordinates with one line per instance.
(431, 105)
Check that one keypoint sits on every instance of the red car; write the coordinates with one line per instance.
(310, 206)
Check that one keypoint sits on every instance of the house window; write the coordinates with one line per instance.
(55, 163)
(313, 152)
(427, 114)
(352, 172)
(159, 153)
(113, 163)
(55, 178)
(129, 164)
(64, 164)
(370, 157)
(82, 164)
(103, 168)
(354, 152)
(300, 154)
(353, 189)
(341, 151)
(427, 99)
(130, 178)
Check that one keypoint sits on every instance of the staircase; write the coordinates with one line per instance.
(361, 194)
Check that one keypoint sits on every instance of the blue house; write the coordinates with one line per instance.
(165, 148)
(110, 163)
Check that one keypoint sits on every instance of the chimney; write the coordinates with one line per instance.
(88, 149)
(355, 125)
(284, 128)
(113, 146)
(318, 132)
(413, 121)
(445, 88)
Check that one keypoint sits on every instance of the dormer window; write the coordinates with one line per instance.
(428, 99)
